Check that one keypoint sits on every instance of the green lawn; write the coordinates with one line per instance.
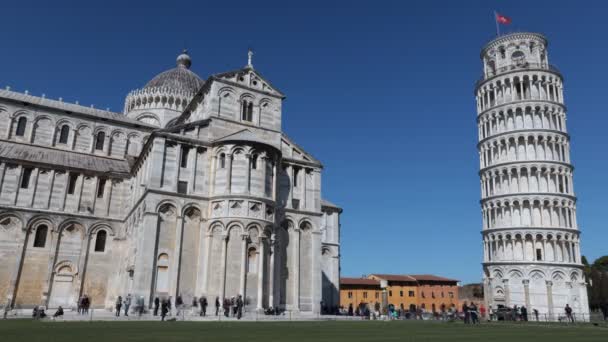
(31, 331)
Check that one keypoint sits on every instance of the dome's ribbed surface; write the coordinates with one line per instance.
(178, 78)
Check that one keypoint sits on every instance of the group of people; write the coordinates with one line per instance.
(84, 303)
(472, 313)
(391, 312)
(125, 304)
(231, 307)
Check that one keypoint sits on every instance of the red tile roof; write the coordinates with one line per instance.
(413, 277)
(430, 277)
(394, 277)
(359, 281)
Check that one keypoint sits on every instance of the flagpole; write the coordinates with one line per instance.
(497, 26)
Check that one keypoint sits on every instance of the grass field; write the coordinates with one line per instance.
(31, 331)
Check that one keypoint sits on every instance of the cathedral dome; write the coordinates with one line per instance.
(179, 78)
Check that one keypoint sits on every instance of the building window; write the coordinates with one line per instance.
(222, 161)
(365, 294)
(451, 294)
(25, 178)
(295, 203)
(101, 187)
(182, 187)
(410, 293)
(40, 238)
(184, 157)
(432, 294)
(400, 293)
(377, 295)
(390, 293)
(72, 183)
(63, 135)
(442, 294)
(21, 127)
(350, 295)
(247, 111)
(100, 241)
(99, 142)
(539, 254)
(296, 171)
(422, 294)
(254, 162)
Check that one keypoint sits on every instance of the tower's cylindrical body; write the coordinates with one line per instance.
(530, 234)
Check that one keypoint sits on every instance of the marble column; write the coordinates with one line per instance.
(261, 261)
(271, 272)
(550, 300)
(526, 283)
(223, 270)
(243, 265)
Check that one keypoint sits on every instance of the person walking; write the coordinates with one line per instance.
(524, 314)
(239, 307)
(473, 313)
(164, 309)
(127, 304)
(156, 305)
(203, 302)
(217, 305)
(604, 309)
(179, 303)
(535, 314)
(118, 305)
(467, 314)
(569, 315)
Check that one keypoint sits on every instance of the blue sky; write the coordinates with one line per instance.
(380, 91)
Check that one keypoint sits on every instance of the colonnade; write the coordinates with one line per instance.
(519, 86)
(528, 147)
(519, 117)
(545, 246)
(545, 178)
(529, 212)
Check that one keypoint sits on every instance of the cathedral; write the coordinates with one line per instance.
(194, 190)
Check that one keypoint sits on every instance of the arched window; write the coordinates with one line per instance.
(254, 162)
(100, 241)
(101, 137)
(40, 238)
(222, 161)
(21, 127)
(247, 111)
(63, 136)
(162, 273)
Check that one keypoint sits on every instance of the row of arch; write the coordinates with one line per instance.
(153, 98)
(65, 134)
(529, 212)
(519, 276)
(543, 86)
(527, 178)
(521, 117)
(545, 247)
(522, 48)
(524, 147)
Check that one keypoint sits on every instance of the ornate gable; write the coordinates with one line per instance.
(249, 78)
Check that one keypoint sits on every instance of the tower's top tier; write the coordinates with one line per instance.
(514, 51)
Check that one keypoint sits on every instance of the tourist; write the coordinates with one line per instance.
(226, 307)
(156, 305)
(58, 313)
(569, 315)
(233, 307)
(350, 309)
(482, 311)
(474, 314)
(127, 304)
(140, 305)
(217, 305)
(239, 306)
(535, 314)
(524, 314)
(467, 315)
(169, 306)
(118, 305)
(203, 302)
(79, 309)
(604, 309)
(179, 303)
(38, 312)
(86, 304)
(163, 310)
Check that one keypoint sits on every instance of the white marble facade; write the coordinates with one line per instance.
(194, 190)
(530, 234)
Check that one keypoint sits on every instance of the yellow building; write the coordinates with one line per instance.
(410, 292)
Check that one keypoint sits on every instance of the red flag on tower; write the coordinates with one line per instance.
(502, 19)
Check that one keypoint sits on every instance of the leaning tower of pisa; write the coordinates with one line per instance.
(531, 239)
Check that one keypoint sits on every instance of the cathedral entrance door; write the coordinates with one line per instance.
(62, 289)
